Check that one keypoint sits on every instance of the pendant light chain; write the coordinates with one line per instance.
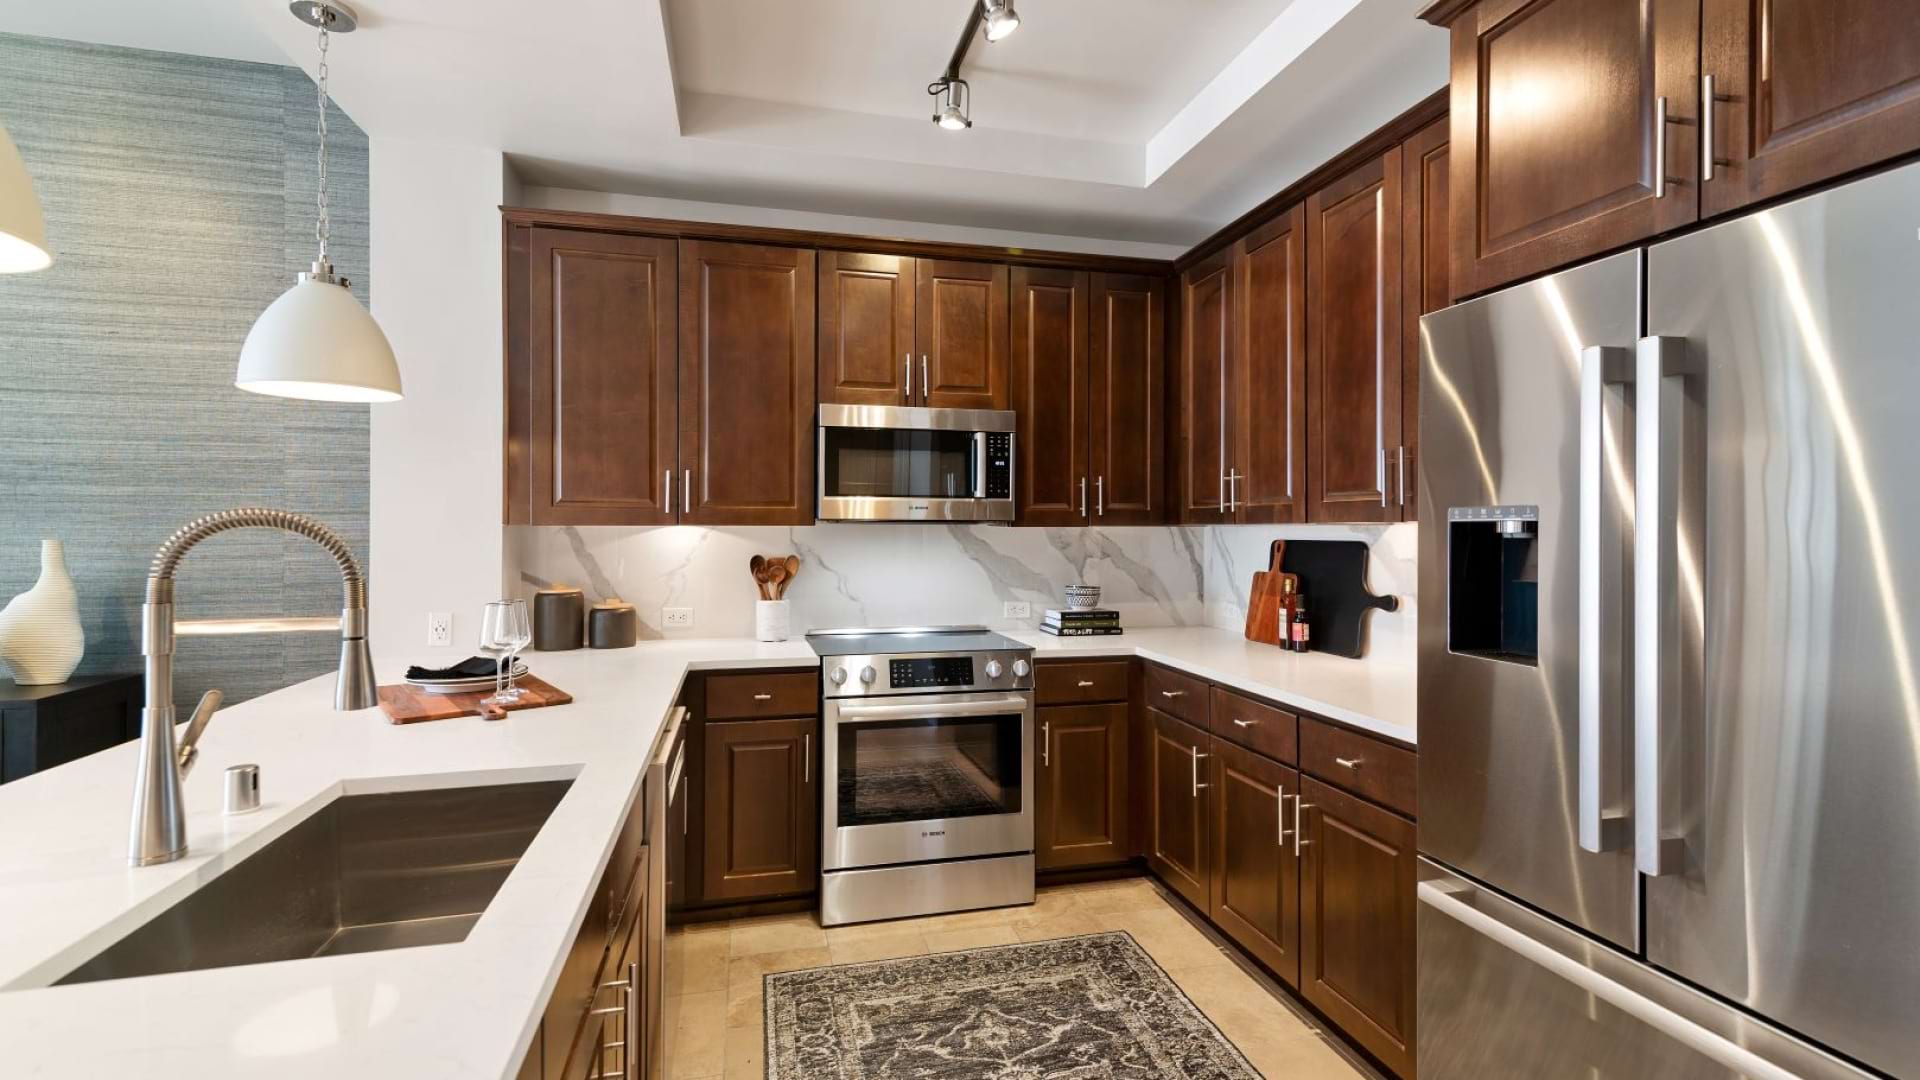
(322, 226)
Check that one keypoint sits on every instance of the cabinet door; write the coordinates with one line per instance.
(1353, 343)
(1806, 90)
(866, 328)
(746, 384)
(960, 329)
(602, 385)
(1424, 249)
(1179, 852)
(1554, 111)
(761, 813)
(1050, 396)
(1270, 372)
(1256, 876)
(1129, 383)
(1082, 816)
(1356, 920)
(1201, 434)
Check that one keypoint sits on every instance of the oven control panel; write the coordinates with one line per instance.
(930, 673)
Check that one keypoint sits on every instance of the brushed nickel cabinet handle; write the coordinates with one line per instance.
(1300, 806)
(1083, 496)
(1046, 742)
(926, 384)
(1197, 785)
(763, 697)
(1347, 762)
(1280, 814)
(666, 483)
(1660, 148)
(806, 758)
(686, 492)
(1237, 722)
(1100, 496)
(909, 363)
(1706, 128)
(1084, 683)
(1400, 472)
(1173, 693)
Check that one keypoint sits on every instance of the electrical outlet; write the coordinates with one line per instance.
(439, 629)
(676, 618)
(1016, 609)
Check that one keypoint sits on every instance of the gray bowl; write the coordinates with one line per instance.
(1082, 597)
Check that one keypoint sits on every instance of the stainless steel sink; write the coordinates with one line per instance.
(364, 873)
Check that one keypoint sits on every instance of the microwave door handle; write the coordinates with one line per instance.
(979, 464)
(1668, 607)
(1603, 821)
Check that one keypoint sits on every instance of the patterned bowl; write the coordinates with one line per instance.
(1083, 597)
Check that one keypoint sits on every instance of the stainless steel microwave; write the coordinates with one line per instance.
(893, 463)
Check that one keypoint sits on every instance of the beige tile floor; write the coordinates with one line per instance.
(714, 975)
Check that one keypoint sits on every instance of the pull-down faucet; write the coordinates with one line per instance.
(159, 829)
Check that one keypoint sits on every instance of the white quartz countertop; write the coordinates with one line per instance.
(465, 1010)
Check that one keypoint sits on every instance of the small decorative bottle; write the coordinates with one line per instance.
(1297, 630)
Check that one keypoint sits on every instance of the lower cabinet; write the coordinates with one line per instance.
(1178, 850)
(1256, 857)
(1081, 806)
(1357, 955)
(760, 809)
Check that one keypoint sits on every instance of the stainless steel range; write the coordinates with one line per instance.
(927, 763)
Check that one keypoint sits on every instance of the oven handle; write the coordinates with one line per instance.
(860, 714)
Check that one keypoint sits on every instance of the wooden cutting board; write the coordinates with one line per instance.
(406, 704)
(1264, 601)
(1333, 578)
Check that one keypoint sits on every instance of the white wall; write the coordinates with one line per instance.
(434, 498)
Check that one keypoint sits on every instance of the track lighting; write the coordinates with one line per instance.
(1001, 19)
(953, 99)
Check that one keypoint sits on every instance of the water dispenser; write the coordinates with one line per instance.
(1493, 582)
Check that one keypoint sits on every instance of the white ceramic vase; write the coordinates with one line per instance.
(40, 637)
(772, 620)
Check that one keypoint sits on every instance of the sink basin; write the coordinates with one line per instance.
(364, 873)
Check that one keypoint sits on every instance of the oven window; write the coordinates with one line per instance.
(898, 464)
(920, 770)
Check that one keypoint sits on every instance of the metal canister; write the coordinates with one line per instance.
(613, 624)
(559, 618)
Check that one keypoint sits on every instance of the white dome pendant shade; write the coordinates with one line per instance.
(23, 231)
(316, 342)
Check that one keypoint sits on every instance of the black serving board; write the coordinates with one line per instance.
(1333, 578)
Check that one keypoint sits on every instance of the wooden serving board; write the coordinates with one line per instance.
(406, 704)
(1264, 600)
(1333, 578)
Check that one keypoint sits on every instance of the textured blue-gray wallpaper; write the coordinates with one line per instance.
(179, 196)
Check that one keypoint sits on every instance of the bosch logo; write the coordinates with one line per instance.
(935, 832)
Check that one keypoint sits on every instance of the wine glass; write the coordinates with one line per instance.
(496, 643)
(516, 633)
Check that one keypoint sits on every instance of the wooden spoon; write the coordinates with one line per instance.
(759, 568)
(793, 571)
(777, 577)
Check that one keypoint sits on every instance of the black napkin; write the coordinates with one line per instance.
(471, 668)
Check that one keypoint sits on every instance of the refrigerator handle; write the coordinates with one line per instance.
(1604, 607)
(1669, 590)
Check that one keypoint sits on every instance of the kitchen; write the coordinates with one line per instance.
(1547, 346)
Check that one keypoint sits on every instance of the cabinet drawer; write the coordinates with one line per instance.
(751, 696)
(1367, 767)
(1256, 725)
(1177, 694)
(1080, 684)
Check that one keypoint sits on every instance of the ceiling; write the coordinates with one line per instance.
(1142, 121)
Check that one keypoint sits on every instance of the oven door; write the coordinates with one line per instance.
(931, 776)
(886, 463)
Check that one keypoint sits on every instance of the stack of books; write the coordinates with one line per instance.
(1092, 622)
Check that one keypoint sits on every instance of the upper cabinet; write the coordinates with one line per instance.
(746, 384)
(1267, 478)
(1126, 369)
(896, 330)
(1202, 433)
(1050, 391)
(1425, 283)
(1583, 126)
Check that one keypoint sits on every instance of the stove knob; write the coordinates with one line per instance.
(839, 676)
(1022, 669)
(867, 675)
(994, 669)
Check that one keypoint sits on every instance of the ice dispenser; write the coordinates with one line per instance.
(1493, 582)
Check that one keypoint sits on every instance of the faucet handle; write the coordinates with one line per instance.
(202, 713)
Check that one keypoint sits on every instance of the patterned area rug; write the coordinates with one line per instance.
(911, 791)
(1082, 1008)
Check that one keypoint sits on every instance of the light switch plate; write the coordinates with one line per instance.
(439, 629)
(676, 618)
(1016, 609)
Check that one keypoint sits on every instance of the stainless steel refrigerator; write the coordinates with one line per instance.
(1669, 687)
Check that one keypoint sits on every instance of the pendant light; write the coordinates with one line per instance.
(1001, 19)
(23, 231)
(316, 342)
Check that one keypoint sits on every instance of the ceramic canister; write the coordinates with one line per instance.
(559, 618)
(613, 624)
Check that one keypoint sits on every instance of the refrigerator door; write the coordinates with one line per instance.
(1502, 432)
(1782, 806)
(1506, 994)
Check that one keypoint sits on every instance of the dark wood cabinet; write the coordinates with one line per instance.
(602, 426)
(760, 809)
(1202, 434)
(1426, 287)
(1051, 396)
(1268, 476)
(866, 328)
(1081, 807)
(1805, 90)
(746, 384)
(1562, 152)
(1256, 872)
(1353, 344)
(44, 726)
(1127, 375)
(1179, 851)
(960, 332)
(1357, 956)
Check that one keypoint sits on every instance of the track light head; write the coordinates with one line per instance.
(953, 99)
(1001, 20)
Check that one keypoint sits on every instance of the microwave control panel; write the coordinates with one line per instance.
(999, 465)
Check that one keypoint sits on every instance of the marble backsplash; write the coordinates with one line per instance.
(903, 574)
